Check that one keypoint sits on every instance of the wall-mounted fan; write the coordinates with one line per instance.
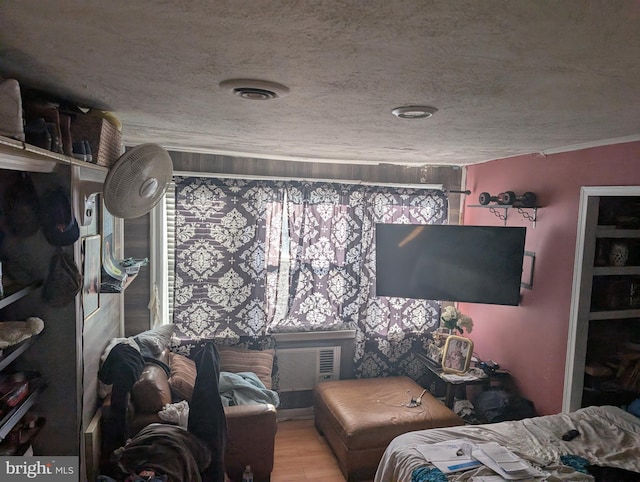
(137, 181)
(134, 184)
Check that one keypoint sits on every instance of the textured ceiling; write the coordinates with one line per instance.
(508, 77)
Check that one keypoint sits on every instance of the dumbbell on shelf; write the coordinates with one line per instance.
(509, 198)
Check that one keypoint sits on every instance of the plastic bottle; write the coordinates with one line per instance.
(247, 475)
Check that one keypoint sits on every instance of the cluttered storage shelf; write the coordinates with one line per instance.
(106, 288)
(21, 389)
(20, 392)
(19, 156)
(17, 402)
(609, 309)
(65, 152)
(16, 155)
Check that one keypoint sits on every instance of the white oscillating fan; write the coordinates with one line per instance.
(137, 181)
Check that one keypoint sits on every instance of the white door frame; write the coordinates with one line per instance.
(581, 292)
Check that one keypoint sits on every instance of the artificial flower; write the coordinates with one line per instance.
(453, 319)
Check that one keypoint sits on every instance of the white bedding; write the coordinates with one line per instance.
(609, 437)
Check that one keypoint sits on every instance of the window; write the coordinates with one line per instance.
(252, 257)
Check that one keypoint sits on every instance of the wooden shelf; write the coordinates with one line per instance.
(613, 232)
(20, 156)
(127, 282)
(8, 449)
(15, 415)
(616, 271)
(9, 354)
(614, 314)
(12, 294)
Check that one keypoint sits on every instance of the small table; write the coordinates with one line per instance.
(451, 381)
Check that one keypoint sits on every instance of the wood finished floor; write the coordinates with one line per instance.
(302, 454)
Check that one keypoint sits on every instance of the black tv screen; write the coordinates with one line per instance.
(476, 264)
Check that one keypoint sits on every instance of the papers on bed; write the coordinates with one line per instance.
(504, 462)
(450, 456)
(462, 454)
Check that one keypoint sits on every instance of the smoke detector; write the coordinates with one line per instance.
(255, 89)
(414, 111)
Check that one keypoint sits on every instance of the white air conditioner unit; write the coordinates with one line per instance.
(302, 368)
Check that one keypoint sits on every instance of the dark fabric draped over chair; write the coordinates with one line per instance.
(256, 257)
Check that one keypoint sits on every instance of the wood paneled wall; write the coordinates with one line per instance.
(137, 294)
(137, 239)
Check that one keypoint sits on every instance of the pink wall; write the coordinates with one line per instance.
(530, 340)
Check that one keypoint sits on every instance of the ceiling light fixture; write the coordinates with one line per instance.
(255, 89)
(414, 111)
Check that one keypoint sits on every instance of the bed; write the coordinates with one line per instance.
(609, 437)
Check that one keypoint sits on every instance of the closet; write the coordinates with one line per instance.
(603, 352)
(67, 352)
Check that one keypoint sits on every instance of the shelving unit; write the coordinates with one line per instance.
(605, 311)
(9, 355)
(502, 211)
(68, 399)
(12, 353)
(60, 401)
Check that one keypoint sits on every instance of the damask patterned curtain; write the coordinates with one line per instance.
(391, 329)
(229, 236)
(227, 233)
(325, 257)
(332, 270)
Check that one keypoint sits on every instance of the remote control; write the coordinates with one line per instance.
(570, 435)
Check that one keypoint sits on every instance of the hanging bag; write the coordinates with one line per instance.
(63, 282)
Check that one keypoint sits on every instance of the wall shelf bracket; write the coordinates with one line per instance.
(502, 212)
(531, 217)
(500, 215)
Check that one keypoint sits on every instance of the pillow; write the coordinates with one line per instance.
(156, 340)
(183, 376)
(236, 360)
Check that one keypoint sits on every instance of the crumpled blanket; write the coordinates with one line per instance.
(609, 437)
(176, 413)
(244, 388)
(427, 474)
(165, 449)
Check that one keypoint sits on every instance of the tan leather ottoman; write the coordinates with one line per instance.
(360, 417)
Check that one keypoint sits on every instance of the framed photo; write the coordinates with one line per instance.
(91, 273)
(456, 356)
(434, 352)
(528, 264)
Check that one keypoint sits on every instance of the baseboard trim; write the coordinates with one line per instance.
(295, 413)
(92, 445)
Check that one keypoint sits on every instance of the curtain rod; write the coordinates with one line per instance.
(439, 187)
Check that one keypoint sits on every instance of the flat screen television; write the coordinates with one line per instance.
(476, 264)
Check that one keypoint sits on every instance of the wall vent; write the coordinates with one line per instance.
(302, 368)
